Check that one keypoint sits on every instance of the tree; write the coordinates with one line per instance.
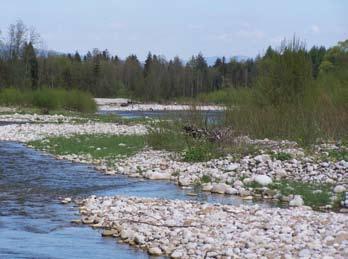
(77, 57)
(285, 75)
(31, 63)
(317, 56)
(17, 39)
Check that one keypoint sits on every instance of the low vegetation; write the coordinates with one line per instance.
(169, 135)
(97, 146)
(47, 99)
(314, 195)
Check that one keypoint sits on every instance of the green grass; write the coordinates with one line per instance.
(338, 155)
(48, 99)
(166, 135)
(282, 156)
(226, 96)
(205, 179)
(307, 191)
(169, 135)
(98, 146)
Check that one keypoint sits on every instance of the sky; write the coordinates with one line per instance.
(178, 27)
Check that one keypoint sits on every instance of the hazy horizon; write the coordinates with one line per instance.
(182, 28)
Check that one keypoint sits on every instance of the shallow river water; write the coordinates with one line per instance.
(34, 225)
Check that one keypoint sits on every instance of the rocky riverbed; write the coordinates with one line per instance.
(185, 229)
(232, 176)
(228, 175)
(29, 132)
(120, 104)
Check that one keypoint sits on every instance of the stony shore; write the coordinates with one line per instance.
(25, 128)
(186, 229)
(230, 176)
(120, 104)
(227, 175)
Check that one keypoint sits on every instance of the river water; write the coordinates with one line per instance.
(34, 225)
(213, 116)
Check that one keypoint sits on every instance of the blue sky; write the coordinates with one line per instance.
(179, 27)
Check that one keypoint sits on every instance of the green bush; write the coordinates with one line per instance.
(12, 97)
(46, 99)
(80, 101)
(49, 99)
(282, 156)
(195, 154)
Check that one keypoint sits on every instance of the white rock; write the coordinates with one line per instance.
(207, 187)
(177, 254)
(232, 167)
(263, 180)
(297, 201)
(231, 191)
(155, 251)
(219, 188)
(339, 189)
(154, 175)
(184, 181)
(262, 158)
(304, 253)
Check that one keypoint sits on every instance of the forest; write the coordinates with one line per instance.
(24, 65)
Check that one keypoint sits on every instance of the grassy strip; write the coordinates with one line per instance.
(48, 99)
(314, 195)
(97, 146)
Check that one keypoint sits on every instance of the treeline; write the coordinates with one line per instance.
(23, 66)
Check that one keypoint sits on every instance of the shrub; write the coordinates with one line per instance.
(12, 97)
(80, 101)
(282, 156)
(49, 99)
(46, 99)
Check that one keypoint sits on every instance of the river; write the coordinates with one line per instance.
(33, 224)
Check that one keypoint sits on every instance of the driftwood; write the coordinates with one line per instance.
(213, 135)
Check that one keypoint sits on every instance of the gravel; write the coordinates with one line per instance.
(187, 229)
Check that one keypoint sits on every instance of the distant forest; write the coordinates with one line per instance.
(24, 66)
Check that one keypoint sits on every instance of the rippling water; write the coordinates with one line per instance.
(34, 225)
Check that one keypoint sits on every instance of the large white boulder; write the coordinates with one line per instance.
(263, 180)
(297, 201)
(339, 189)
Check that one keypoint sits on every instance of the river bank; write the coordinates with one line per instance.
(273, 172)
(122, 104)
(194, 230)
(277, 171)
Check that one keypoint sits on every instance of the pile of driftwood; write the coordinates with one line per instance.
(213, 135)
